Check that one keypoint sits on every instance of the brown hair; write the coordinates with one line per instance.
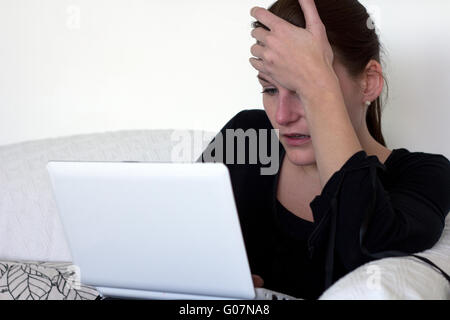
(351, 35)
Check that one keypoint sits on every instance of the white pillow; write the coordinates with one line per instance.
(30, 228)
(399, 278)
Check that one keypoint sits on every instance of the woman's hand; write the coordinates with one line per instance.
(258, 282)
(300, 60)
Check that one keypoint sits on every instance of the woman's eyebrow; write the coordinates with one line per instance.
(261, 78)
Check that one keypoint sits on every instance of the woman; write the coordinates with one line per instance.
(340, 198)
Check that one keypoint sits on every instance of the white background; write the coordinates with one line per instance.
(84, 66)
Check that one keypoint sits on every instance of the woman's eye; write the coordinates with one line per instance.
(269, 91)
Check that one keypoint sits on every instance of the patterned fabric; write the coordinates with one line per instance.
(42, 281)
(29, 224)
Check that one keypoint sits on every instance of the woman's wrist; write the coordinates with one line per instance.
(333, 137)
(326, 91)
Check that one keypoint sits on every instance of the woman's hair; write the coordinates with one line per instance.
(352, 36)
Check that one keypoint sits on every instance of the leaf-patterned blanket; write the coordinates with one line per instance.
(32, 280)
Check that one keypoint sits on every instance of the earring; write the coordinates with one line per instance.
(368, 103)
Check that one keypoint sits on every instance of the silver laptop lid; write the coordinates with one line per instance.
(161, 227)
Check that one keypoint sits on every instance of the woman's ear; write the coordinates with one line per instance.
(372, 81)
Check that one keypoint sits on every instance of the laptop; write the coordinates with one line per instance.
(154, 230)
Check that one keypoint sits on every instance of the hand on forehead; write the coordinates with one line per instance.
(313, 21)
(269, 79)
(265, 76)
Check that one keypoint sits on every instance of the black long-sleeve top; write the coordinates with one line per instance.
(367, 210)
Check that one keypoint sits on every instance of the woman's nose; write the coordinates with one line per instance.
(289, 108)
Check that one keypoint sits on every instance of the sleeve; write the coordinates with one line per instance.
(360, 221)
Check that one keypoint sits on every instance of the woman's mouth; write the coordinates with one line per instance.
(297, 139)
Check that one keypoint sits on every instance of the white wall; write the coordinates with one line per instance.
(124, 64)
(81, 66)
(416, 36)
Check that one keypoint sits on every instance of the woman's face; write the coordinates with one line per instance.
(286, 113)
